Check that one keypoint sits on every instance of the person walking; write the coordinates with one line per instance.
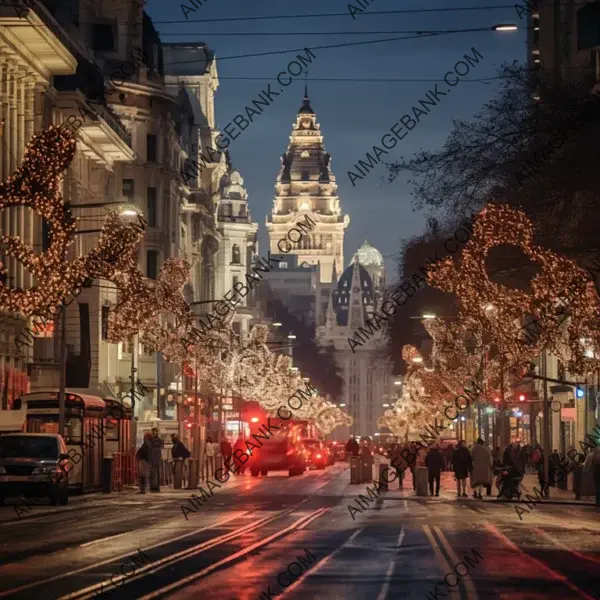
(156, 447)
(397, 460)
(226, 450)
(239, 445)
(210, 452)
(179, 453)
(463, 465)
(143, 458)
(481, 474)
(434, 461)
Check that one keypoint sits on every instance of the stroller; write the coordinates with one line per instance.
(508, 482)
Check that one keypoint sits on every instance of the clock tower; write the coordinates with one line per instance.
(306, 186)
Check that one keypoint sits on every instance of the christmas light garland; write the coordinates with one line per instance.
(501, 311)
(36, 184)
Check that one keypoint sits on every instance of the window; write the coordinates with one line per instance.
(151, 147)
(305, 176)
(235, 254)
(103, 39)
(128, 188)
(152, 264)
(151, 207)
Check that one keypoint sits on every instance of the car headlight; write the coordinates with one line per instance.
(44, 471)
(2, 471)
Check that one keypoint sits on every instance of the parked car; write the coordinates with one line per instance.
(315, 453)
(34, 464)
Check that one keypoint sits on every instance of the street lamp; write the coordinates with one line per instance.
(505, 27)
(386, 406)
(291, 336)
(398, 382)
(277, 324)
(428, 316)
(417, 359)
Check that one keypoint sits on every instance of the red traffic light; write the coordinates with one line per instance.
(254, 420)
(521, 397)
(188, 424)
(496, 399)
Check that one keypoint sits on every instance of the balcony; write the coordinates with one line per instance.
(39, 33)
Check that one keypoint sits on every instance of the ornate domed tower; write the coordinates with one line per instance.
(372, 260)
(306, 186)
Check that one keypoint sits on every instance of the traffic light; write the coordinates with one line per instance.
(496, 399)
(521, 397)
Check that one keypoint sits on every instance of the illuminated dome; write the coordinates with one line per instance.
(368, 256)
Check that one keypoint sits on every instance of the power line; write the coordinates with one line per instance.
(366, 80)
(345, 45)
(305, 33)
(366, 14)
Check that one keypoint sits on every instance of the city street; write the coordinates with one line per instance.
(239, 542)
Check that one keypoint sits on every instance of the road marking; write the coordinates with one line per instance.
(469, 585)
(553, 574)
(232, 557)
(116, 558)
(110, 537)
(390, 571)
(562, 545)
(317, 566)
(441, 558)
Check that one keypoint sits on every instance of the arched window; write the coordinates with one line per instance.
(235, 254)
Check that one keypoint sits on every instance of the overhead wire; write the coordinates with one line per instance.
(344, 45)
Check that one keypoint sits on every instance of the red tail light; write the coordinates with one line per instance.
(318, 456)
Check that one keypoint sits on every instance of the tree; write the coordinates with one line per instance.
(534, 147)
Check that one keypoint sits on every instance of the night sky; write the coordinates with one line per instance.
(353, 115)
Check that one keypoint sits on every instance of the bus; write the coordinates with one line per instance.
(84, 431)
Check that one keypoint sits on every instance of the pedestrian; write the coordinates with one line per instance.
(535, 459)
(498, 454)
(226, 450)
(482, 468)
(396, 459)
(352, 447)
(143, 458)
(181, 453)
(507, 457)
(434, 462)
(209, 458)
(156, 447)
(463, 464)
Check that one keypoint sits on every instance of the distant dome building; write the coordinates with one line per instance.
(372, 260)
(341, 295)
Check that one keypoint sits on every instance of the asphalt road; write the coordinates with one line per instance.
(295, 538)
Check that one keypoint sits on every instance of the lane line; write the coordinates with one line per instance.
(441, 558)
(556, 575)
(110, 537)
(562, 545)
(232, 557)
(468, 581)
(390, 571)
(116, 558)
(299, 581)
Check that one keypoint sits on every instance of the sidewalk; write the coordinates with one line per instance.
(448, 490)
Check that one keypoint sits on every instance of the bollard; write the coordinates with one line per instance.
(354, 469)
(422, 481)
(382, 481)
(177, 473)
(107, 475)
(193, 474)
(366, 469)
